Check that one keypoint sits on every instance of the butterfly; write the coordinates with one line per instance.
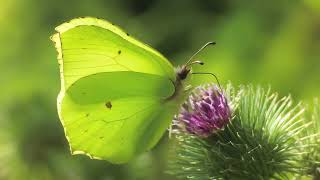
(118, 95)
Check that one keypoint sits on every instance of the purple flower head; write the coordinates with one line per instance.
(205, 112)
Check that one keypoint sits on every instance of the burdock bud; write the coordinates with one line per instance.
(205, 111)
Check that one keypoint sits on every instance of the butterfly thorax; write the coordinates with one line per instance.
(181, 83)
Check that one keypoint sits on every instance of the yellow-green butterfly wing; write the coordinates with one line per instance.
(89, 45)
(116, 92)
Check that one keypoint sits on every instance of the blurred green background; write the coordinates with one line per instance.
(275, 42)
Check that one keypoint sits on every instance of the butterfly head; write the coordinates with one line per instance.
(183, 71)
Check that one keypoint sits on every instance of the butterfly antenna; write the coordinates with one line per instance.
(202, 48)
(211, 75)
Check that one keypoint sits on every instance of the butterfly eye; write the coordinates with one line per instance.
(119, 52)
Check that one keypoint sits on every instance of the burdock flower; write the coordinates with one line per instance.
(205, 112)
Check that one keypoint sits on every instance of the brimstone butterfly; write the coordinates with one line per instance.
(118, 95)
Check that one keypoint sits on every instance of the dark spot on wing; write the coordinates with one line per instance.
(101, 137)
(128, 34)
(108, 105)
(87, 114)
(119, 52)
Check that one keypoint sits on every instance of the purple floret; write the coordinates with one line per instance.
(205, 112)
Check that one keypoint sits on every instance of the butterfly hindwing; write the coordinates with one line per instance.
(117, 115)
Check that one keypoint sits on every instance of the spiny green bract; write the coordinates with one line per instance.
(259, 143)
(310, 166)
